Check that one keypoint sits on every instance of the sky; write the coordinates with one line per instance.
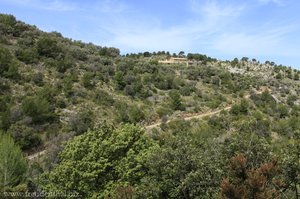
(223, 29)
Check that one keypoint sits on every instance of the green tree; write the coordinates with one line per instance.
(5, 60)
(176, 101)
(38, 78)
(81, 121)
(38, 109)
(135, 114)
(119, 79)
(296, 76)
(24, 136)
(64, 64)
(181, 54)
(12, 72)
(184, 166)
(7, 24)
(87, 80)
(282, 111)
(48, 47)
(278, 76)
(13, 166)
(291, 165)
(100, 163)
(235, 62)
(27, 56)
(244, 105)
(241, 108)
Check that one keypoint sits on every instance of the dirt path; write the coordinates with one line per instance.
(196, 116)
(36, 155)
(200, 115)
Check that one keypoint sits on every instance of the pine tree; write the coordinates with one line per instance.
(12, 163)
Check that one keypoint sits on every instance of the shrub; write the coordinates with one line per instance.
(5, 60)
(48, 47)
(79, 54)
(81, 122)
(136, 115)
(7, 23)
(24, 136)
(38, 109)
(176, 102)
(12, 72)
(37, 78)
(13, 165)
(101, 163)
(87, 80)
(104, 98)
(64, 64)
(28, 56)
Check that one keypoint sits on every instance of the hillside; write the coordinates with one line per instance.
(171, 126)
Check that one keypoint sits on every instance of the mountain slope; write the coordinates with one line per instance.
(53, 89)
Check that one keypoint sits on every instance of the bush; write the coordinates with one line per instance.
(5, 120)
(28, 56)
(38, 109)
(13, 165)
(104, 98)
(87, 80)
(4, 85)
(80, 54)
(48, 47)
(136, 115)
(37, 78)
(5, 60)
(187, 90)
(119, 80)
(12, 72)
(101, 163)
(24, 136)
(176, 102)
(110, 52)
(163, 111)
(81, 122)
(64, 64)
(7, 24)
(241, 108)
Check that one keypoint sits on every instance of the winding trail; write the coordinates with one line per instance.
(201, 115)
(196, 116)
(157, 124)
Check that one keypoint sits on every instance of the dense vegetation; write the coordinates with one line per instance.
(88, 107)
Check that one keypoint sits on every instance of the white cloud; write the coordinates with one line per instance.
(265, 42)
(277, 2)
(214, 9)
(142, 32)
(110, 7)
(58, 6)
(52, 5)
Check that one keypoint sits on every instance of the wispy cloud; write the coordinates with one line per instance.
(215, 27)
(215, 9)
(212, 27)
(277, 2)
(52, 5)
(59, 6)
(265, 42)
(110, 6)
(146, 33)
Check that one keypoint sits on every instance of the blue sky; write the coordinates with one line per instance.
(224, 29)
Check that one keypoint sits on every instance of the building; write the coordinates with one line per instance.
(176, 60)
